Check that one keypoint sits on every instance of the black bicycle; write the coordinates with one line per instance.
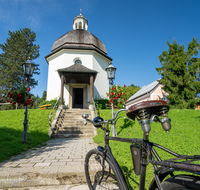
(102, 171)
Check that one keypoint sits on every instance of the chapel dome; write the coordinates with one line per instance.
(79, 38)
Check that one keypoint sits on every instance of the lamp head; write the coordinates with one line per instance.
(28, 67)
(111, 71)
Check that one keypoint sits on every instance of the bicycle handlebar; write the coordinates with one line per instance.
(85, 117)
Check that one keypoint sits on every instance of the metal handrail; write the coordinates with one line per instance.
(95, 109)
(54, 107)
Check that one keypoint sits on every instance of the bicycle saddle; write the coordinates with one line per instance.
(151, 107)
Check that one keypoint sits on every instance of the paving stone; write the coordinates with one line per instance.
(74, 163)
(67, 160)
(26, 165)
(42, 164)
(58, 163)
(78, 160)
(47, 161)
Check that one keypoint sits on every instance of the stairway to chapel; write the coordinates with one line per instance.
(70, 124)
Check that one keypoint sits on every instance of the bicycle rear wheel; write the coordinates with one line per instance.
(94, 173)
(181, 182)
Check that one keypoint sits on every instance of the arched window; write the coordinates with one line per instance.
(78, 61)
(80, 25)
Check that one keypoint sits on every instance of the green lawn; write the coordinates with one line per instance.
(183, 138)
(11, 129)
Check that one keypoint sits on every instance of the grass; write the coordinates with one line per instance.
(183, 138)
(11, 130)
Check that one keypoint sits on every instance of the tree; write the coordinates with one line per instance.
(130, 90)
(179, 71)
(16, 50)
(44, 95)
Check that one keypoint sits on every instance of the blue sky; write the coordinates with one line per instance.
(134, 32)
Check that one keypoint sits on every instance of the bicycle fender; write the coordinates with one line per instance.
(164, 172)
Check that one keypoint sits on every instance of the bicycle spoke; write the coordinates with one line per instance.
(95, 165)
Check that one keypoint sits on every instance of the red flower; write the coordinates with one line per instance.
(9, 93)
(111, 100)
(29, 88)
(124, 86)
(31, 105)
(115, 98)
(115, 88)
(8, 100)
(120, 102)
(112, 93)
(109, 93)
(112, 88)
(124, 93)
(121, 93)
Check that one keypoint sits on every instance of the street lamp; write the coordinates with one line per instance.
(111, 75)
(28, 72)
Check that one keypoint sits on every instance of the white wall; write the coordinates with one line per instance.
(101, 82)
(66, 58)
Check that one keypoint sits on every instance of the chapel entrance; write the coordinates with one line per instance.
(77, 98)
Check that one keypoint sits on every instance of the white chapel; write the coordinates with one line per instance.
(77, 65)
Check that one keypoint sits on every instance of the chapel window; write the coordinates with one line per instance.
(78, 61)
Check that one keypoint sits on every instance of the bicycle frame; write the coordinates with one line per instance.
(147, 149)
(144, 143)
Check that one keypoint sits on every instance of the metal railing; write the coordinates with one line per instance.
(54, 108)
(95, 109)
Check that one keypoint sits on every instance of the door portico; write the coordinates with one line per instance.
(78, 77)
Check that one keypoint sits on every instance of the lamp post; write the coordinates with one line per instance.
(111, 76)
(28, 72)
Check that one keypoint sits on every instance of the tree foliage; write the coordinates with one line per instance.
(130, 90)
(19, 46)
(179, 71)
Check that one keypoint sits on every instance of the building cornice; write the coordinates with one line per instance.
(77, 48)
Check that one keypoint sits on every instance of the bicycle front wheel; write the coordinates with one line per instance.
(98, 179)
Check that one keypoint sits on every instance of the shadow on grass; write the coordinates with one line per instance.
(128, 177)
(10, 141)
(127, 124)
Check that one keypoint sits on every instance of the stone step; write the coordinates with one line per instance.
(77, 111)
(71, 122)
(76, 127)
(72, 136)
(67, 125)
(71, 116)
(76, 130)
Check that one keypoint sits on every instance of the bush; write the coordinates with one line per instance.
(101, 103)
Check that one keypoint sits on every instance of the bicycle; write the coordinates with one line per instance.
(102, 170)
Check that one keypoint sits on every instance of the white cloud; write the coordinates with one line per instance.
(25, 13)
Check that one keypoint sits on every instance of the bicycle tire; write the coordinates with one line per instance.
(93, 172)
(181, 182)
